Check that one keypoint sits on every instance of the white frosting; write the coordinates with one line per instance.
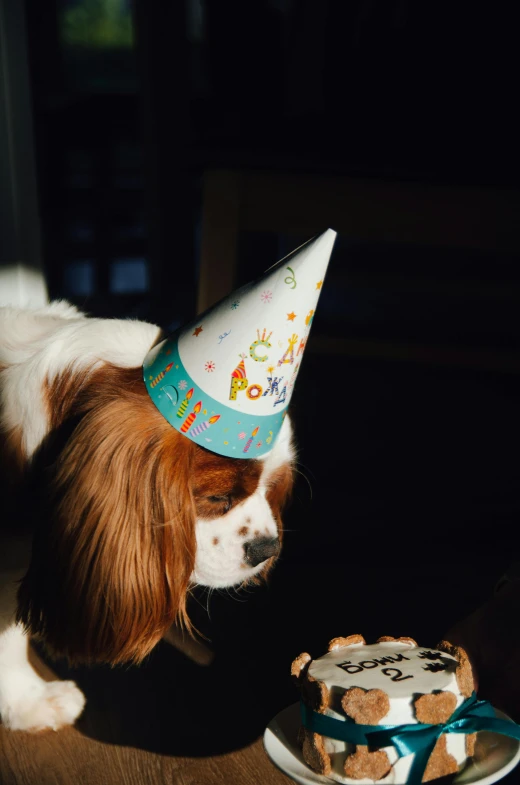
(403, 671)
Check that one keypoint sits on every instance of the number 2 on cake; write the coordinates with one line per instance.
(398, 674)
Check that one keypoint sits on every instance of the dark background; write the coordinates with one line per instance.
(415, 503)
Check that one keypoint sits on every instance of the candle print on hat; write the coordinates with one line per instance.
(225, 380)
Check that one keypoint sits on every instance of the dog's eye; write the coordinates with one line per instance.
(224, 500)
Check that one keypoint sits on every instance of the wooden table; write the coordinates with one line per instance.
(68, 757)
(74, 756)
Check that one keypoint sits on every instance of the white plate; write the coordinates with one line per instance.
(495, 755)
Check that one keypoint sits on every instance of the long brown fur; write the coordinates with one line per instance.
(113, 554)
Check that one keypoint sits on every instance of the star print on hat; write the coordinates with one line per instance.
(225, 380)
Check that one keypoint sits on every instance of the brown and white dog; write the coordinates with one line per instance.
(128, 513)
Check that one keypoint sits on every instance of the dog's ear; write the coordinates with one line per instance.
(279, 492)
(115, 545)
(280, 486)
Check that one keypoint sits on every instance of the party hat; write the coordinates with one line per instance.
(225, 380)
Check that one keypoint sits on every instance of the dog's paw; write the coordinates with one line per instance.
(43, 706)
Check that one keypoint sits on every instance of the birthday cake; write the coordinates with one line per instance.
(362, 705)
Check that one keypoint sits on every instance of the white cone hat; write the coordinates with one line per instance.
(225, 380)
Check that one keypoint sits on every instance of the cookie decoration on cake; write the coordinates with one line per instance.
(366, 707)
(471, 740)
(299, 666)
(316, 695)
(337, 643)
(464, 671)
(435, 708)
(363, 764)
(440, 763)
(387, 638)
(314, 752)
(356, 688)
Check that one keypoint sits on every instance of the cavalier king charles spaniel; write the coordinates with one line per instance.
(126, 514)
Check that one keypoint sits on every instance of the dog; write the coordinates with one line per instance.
(126, 514)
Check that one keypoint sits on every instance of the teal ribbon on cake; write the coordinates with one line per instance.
(418, 739)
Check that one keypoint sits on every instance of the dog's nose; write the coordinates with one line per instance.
(260, 549)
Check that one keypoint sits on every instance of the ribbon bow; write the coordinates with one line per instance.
(417, 738)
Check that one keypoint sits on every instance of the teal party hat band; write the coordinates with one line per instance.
(201, 417)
